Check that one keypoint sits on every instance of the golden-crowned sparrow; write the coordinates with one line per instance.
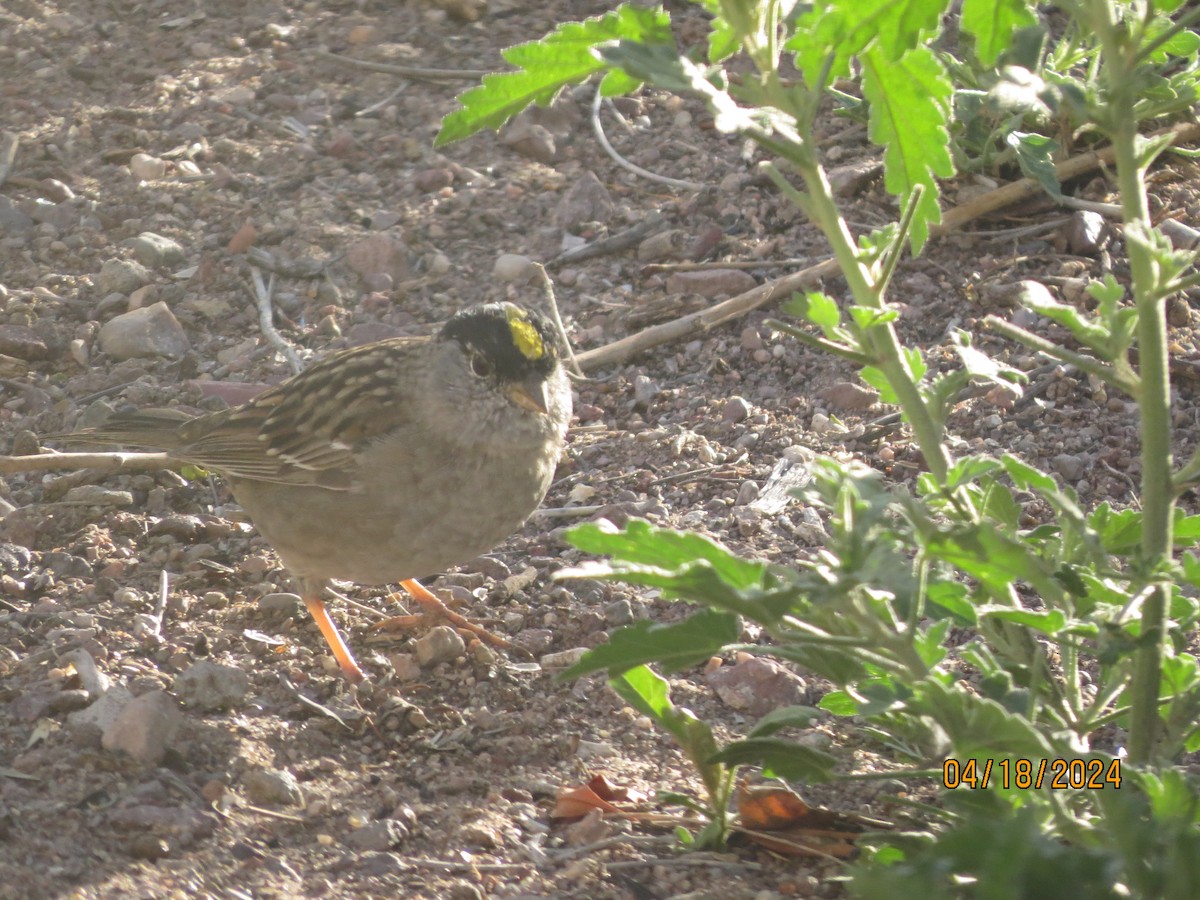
(387, 461)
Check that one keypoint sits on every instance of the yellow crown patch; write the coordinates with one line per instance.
(524, 335)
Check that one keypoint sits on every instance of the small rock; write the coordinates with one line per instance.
(272, 787)
(152, 331)
(155, 250)
(212, 687)
(619, 612)
(1086, 232)
(379, 253)
(712, 284)
(757, 686)
(121, 276)
(587, 200)
(735, 409)
(512, 267)
(145, 728)
(385, 834)
(534, 640)
(148, 846)
(12, 220)
(564, 659)
(1069, 466)
(430, 180)
(91, 723)
(146, 167)
(849, 396)
(22, 342)
(747, 494)
(280, 603)
(440, 644)
(97, 495)
(821, 424)
(645, 389)
(91, 679)
(530, 140)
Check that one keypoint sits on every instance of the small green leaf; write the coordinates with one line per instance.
(1035, 156)
(1026, 476)
(675, 647)
(839, 703)
(910, 114)
(784, 717)
(992, 22)
(561, 58)
(1047, 621)
(783, 759)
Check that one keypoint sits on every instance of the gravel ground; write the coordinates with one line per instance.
(162, 154)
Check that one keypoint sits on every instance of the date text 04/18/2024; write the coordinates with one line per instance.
(1024, 774)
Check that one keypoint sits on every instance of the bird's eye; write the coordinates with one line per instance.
(481, 365)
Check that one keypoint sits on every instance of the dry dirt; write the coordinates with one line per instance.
(434, 782)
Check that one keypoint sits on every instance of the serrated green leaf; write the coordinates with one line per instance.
(876, 379)
(1027, 476)
(1047, 621)
(675, 646)
(910, 113)
(1035, 156)
(563, 57)
(783, 759)
(820, 309)
(641, 543)
(970, 469)
(953, 597)
(992, 23)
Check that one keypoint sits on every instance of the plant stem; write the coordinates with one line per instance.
(1158, 499)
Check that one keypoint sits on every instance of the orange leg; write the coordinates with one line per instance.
(433, 609)
(350, 670)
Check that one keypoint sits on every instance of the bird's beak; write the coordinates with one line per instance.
(530, 394)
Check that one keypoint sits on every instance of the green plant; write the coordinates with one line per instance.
(1078, 623)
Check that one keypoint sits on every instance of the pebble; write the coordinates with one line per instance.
(618, 612)
(1086, 232)
(757, 686)
(384, 834)
(379, 253)
(712, 284)
(97, 495)
(121, 276)
(645, 389)
(272, 787)
(22, 342)
(282, 603)
(145, 728)
(211, 687)
(735, 409)
(849, 396)
(530, 140)
(1069, 466)
(440, 644)
(512, 267)
(94, 682)
(146, 167)
(156, 250)
(586, 200)
(669, 244)
(564, 659)
(149, 332)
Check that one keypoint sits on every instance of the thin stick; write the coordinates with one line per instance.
(103, 462)
(262, 297)
(705, 320)
(548, 287)
(621, 161)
